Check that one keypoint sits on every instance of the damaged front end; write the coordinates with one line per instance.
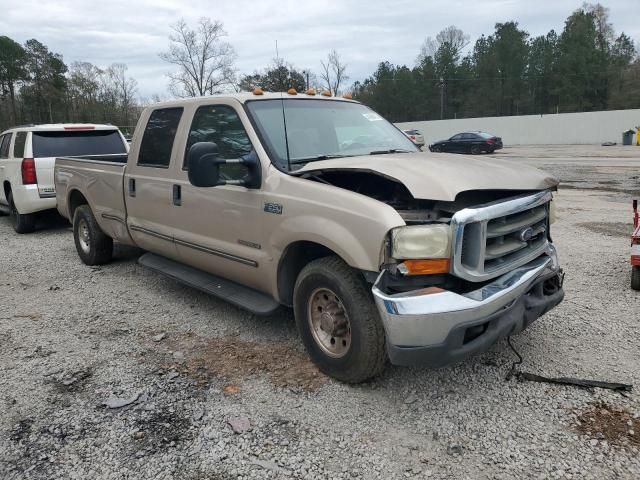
(460, 274)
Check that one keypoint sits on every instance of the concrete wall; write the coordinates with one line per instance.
(563, 128)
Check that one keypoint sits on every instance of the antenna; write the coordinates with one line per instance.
(277, 55)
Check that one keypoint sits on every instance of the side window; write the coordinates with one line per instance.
(157, 141)
(18, 145)
(221, 125)
(4, 145)
(455, 138)
(469, 136)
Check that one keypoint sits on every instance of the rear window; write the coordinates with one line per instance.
(4, 145)
(157, 141)
(485, 135)
(18, 145)
(75, 143)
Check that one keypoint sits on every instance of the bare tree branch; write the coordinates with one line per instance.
(333, 72)
(205, 62)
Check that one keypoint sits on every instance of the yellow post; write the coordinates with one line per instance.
(638, 136)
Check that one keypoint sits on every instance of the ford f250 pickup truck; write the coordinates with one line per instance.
(318, 203)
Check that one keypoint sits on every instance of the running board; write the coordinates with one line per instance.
(239, 295)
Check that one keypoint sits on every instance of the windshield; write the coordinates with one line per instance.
(74, 143)
(299, 131)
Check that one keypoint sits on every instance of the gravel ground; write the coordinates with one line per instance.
(116, 372)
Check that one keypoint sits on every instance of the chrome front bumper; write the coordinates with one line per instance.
(435, 327)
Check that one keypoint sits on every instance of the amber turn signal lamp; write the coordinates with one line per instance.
(257, 91)
(424, 267)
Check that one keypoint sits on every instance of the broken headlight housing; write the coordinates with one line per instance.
(421, 242)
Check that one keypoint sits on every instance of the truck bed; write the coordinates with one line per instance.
(98, 179)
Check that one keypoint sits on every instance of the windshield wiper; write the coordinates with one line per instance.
(392, 150)
(318, 157)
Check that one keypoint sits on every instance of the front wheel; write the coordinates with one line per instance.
(93, 246)
(635, 278)
(436, 149)
(338, 321)
(22, 223)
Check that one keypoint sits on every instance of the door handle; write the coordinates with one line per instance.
(177, 195)
(132, 187)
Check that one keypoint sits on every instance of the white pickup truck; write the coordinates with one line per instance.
(318, 203)
(27, 156)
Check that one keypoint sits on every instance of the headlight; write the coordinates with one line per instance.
(421, 242)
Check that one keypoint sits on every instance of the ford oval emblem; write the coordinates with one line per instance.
(526, 234)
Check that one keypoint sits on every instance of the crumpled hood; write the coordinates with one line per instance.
(441, 176)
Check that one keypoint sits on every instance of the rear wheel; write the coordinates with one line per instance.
(22, 223)
(475, 149)
(338, 321)
(635, 278)
(93, 246)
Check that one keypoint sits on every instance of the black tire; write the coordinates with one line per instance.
(635, 278)
(436, 149)
(22, 223)
(365, 355)
(93, 246)
(475, 149)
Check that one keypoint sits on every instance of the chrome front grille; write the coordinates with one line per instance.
(493, 239)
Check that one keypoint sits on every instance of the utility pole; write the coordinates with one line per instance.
(441, 98)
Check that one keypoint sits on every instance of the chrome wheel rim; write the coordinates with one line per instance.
(84, 236)
(329, 323)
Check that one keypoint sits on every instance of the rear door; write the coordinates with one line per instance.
(149, 180)
(45, 146)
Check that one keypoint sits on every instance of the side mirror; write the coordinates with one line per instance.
(203, 161)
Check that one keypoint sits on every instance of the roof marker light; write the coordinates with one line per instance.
(310, 91)
(326, 93)
(348, 96)
(292, 91)
(257, 91)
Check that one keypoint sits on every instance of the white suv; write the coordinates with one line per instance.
(27, 157)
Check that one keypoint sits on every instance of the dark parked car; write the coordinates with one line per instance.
(468, 142)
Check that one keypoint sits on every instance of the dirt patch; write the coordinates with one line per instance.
(616, 425)
(234, 359)
(613, 229)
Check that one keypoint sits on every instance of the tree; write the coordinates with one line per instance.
(45, 88)
(12, 70)
(541, 73)
(278, 77)
(83, 86)
(205, 61)
(333, 72)
(451, 38)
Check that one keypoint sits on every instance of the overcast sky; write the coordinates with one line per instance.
(364, 32)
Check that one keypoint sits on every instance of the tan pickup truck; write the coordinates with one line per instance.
(318, 203)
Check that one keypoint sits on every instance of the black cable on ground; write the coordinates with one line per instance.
(574, 382)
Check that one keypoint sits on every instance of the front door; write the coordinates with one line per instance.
(151, 216)
(219, 229)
